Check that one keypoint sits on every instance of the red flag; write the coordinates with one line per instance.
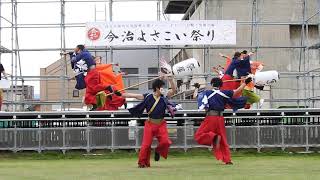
(108, 77)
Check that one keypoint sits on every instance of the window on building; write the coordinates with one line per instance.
(131, 80)
(295, 32)
(153, 70)
(75, 93)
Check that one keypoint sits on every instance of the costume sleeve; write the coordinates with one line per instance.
(72, 59)
(138, 110)
(145, 95)
(245, 60)
(98, 87)
(237, 103)
(87, 57)
(78, 57)
(229, 93)
(229, 69)
(171, 108)
(202, 100)
(94, 82)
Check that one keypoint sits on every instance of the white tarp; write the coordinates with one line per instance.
(4, 84)
(193, 32)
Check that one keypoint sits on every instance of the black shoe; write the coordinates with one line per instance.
(94, 107)
(156, 156)
(118, 93)
(259, 87)
(229, 163)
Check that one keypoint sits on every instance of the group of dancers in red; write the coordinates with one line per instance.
(214, 100)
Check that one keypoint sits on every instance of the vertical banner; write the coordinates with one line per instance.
(193, 32)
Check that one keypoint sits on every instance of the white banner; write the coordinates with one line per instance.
(204, 32)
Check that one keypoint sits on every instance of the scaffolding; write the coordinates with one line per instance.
(305, 78)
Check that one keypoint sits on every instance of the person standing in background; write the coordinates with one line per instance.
(2, 71)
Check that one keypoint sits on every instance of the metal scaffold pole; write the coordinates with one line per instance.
(303, 39)
(206, 51)
(254, 42)
(318, 25)
(158, 19)
(295, 44)
(63, 90)
(308, 84)
(17, 63)
(256, 20)
(302, 50)
(12, 55)
(15, 56)
(0, 30)
(111, 19)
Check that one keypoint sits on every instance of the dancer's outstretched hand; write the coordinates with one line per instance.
(165, 67)
(164, 76)
(196, 85)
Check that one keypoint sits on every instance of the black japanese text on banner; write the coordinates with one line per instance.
(202, 32)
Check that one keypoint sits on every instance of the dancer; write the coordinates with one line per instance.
(212, 130)
(244, 68)
(2, 71)
(240, 67)
(155, 105)
(81, 63)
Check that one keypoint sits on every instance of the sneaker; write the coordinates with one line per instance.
(141, 166)
(156, 156)
(229, 163)
(216, 141)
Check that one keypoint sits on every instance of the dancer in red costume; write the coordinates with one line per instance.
(106, 77)
(212, 130)
(230, 73)
(155, 104)
(94, 86)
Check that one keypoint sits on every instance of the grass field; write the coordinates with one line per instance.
(191, 165)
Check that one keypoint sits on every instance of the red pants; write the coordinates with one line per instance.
(161, 133)
(209, 128)
(230, 85)
(114, 104)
